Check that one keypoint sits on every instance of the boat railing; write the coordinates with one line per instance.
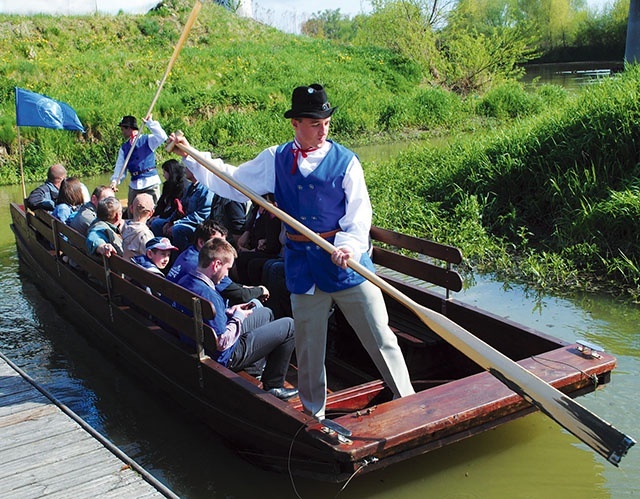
(436, 268)
(125, 285)
(412, 264)
(130, 287)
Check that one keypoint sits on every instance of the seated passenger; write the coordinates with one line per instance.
(196, 204)
(70, 199)
(173, 189)
(187, 261)
(259, 242)
(87, 212)
(274, 279)
(244, 335)
(44, 197)
(157, 255)
(231, 214)
(104, 236)
(135, 232)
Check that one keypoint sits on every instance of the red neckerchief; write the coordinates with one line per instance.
(134, 134)
(298, 151)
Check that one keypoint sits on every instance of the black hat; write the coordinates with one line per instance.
(129, 121)
(309, 102)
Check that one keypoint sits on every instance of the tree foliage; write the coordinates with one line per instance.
(330, 24)
(470, 45)
(405, 27)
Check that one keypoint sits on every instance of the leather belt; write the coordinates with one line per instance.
(141, 172)
(300, 238)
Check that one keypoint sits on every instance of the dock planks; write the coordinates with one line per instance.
(44, 452)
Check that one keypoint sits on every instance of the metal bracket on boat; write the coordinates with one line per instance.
(589, 350)
(332, 428)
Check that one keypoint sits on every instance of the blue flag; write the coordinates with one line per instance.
(39, 110)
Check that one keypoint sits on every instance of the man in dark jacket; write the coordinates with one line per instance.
(44, 197)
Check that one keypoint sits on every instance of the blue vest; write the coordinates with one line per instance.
(187, 262)
(319, 202)
(142, 162)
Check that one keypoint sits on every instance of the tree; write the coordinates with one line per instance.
(330, 24)
(405, 27)
(484, 42)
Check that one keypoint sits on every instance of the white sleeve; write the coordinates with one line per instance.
(117, 173)
(257, 174)
(158, 135)
(356, 222)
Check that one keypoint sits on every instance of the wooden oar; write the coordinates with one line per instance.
(185, 32)
(592, 430)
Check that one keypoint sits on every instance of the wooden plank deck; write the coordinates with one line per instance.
(45, 452)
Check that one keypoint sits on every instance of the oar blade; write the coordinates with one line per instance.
(601, 436)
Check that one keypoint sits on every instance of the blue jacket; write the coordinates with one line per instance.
(186, 263)
(101, 232)
(144, 262)
(43, 197)
(219, 322)
(196, 204)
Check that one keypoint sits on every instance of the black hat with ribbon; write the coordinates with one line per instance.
(310, 102)
(129, 121)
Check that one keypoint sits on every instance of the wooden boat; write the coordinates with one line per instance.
(455, 398)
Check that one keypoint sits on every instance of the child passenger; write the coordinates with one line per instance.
(157, 255)
(135, 232)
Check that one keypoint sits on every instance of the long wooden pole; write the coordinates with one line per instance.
(591, 429)
(24, 189)
(183, 37)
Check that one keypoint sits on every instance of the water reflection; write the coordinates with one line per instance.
(571, 75)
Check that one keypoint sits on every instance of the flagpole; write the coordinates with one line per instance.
(24, 190)
(185, 32)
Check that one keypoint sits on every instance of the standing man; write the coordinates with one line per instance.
(142, 162)
(320, 183)
(45, 196)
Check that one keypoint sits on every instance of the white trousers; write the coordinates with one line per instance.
(365, 310)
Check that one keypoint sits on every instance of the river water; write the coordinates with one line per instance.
(529, 458)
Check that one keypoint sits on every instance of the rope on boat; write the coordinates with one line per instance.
(293, 484)
(366, 462)
(592, 377)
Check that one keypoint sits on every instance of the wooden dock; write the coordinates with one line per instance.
(47, 451)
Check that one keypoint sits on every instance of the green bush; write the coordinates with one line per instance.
(435, 106)
(509, 100)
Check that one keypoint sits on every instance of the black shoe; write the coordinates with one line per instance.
(283, 393)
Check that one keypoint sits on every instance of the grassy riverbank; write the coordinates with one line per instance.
(552, 200)
(541, 186)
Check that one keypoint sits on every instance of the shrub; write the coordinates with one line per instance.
(509, 100)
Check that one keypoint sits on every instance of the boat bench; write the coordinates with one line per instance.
(124, 284)
(399, 258)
